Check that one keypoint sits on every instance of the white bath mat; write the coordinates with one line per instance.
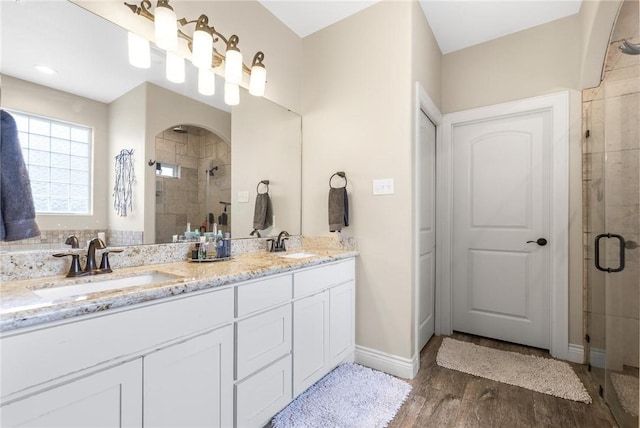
(626, 388)
(349, 396)
(539, 374)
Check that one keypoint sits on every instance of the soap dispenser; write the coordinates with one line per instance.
(202, 249)
(219, 245)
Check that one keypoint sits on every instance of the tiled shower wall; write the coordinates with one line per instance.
(611, 204)
(196, 193)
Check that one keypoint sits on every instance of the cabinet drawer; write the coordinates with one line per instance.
(262, 339)
(87, 341)
(262, 294)
(319, 278)
(264, 394)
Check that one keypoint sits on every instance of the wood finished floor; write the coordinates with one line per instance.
(447, 398)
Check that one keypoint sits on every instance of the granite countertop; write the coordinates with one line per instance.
(21, 307)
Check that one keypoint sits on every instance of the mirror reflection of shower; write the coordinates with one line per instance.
(193, 198)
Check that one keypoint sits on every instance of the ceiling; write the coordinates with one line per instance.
(56, 36)
(456, 24)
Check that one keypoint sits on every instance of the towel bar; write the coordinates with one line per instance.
(266, 183)
(339, 174)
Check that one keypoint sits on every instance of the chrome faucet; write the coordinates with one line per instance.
(96, 243)
(278, 244)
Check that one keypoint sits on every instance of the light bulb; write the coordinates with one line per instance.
(258, 80)
(233, 66)
(231, 94)
(166, 27)
(202, 51)
(139, 51)
(175, 68)
(206, 81)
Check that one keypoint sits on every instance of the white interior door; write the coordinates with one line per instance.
(501, 200)
(427, 234)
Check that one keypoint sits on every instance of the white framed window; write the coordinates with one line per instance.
(167, 170)
(58, 157)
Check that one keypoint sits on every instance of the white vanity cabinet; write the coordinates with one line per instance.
(232, 356)
(323, 321)
(89, 371)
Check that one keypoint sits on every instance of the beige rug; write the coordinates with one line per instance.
(539, 374)
(626, 388)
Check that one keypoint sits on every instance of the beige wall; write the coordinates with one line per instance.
(426, 58)
(256, 27)
(39, 100)
(540, 60)
(126, 131)
(267, 145)
(357, 118)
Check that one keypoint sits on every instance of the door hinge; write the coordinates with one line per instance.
(600, 391)
(587, 338)
(589, 367)
(587, 134)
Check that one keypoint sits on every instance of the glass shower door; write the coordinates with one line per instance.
(619, 256)
(612, 232)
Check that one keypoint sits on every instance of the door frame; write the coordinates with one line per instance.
(423, 103)
(558, 105)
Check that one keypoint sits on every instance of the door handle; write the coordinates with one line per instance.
(597, 252)
(540, 241)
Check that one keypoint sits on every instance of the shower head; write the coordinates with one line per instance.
(629, 48)
(210, 171)
(180, 129)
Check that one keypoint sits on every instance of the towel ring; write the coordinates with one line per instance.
(266, 183)
(339, 174)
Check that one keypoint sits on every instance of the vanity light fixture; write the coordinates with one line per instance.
(139, 51)
(45, 69)
(231, 94)
(204, 54)
(166, 26)
(175, 68)
(206, 81)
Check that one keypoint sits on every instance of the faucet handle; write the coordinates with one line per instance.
(74, 269)
(271, 243)
(105, 266)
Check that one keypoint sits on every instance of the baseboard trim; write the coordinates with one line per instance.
(598, 356)
(406, 368)
(575, 353)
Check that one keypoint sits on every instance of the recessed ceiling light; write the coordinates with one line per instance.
(44, 69)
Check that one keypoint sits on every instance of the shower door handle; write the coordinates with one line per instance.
(597, 252)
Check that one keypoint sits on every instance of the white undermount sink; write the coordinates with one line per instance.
(301, 255)
(99, 285)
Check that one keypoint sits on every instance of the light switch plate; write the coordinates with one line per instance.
(243, 196)
(383, 186)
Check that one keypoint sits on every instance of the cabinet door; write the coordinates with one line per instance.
(191, 384)
(310, 340)
(111, 398)
(341, 319)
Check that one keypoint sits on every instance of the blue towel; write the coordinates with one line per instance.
(17, 213)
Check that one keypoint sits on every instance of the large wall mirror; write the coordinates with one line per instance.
(218, 155)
